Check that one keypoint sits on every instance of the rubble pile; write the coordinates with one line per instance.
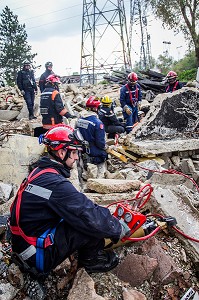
(162, 267)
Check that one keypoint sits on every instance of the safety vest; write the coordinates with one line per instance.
(130, 94)
(47, 238)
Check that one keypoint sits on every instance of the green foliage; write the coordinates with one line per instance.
(186, 68)
(164, 63)
(181, 16)
(188, 75)
(104, 81)
(14, 46)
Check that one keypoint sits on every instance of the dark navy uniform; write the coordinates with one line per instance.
(111, 123)
(26, 82)
(51, 201)
(51, 105)
(92, 130)
(173, 87)
(42, 79)
(130, 95)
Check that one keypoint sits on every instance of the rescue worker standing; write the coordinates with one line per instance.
(173, 83)
(28, 87)
(50, 219)
(51, 105)
(107, 116)
(92, 130)
(48, 71)
(130, 99)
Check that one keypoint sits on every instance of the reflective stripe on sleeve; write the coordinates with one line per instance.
(39, 191)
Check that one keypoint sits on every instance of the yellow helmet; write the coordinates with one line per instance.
(106, 101)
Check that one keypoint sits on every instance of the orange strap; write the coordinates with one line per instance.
(54, 94)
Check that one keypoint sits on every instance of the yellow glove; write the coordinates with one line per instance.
(127, 110)
(139, 105)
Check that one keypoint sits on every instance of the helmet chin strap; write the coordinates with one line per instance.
(62, 161)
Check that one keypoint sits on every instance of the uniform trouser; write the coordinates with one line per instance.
(114, 129)
(66, 241)
(131, 119)
(98, 155)
(30, 98)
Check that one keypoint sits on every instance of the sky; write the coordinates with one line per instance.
(54, 31)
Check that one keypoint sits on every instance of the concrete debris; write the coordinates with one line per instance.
(166, 139)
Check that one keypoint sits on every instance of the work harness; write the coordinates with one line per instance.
(37, 244)
(133, 101)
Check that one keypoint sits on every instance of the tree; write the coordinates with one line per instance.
(186, 67)
(180, 15)
(164, 63)
(14, 45)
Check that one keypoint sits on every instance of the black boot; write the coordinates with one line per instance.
(103, 262)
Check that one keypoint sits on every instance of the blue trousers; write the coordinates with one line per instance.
(30, 99)
(131, 119)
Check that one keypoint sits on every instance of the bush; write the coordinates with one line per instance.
(188, 75)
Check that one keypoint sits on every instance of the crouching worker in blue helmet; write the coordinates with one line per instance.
(50, 219)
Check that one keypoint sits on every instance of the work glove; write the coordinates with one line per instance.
(127, 110)
(69, 116)
(23, 92)
(126, 231)
(139, 105)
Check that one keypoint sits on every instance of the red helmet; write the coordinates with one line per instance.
(172, 75)
(62, 136)
(93, 102)
(133, 77)
(54, 79)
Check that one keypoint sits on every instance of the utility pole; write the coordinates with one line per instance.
(166, 48)
(105, 44)
(138, 17)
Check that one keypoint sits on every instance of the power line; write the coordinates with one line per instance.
(52, 12)
(54, 22)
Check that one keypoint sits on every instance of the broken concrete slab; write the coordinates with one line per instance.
(157, 147)
(17, 154)
(171, 115)
(8, 115)
(105, 199)
(186, 215)
(107, 186)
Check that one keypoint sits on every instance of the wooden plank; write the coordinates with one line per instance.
(121, 150)
(116, 154)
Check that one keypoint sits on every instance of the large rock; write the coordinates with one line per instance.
(107, 186)
(83, 288)
(171, 115)
(8, 115)
(156, 147)
(16, 155)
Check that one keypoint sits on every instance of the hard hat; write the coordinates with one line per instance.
(92, 102)
(171, 77)
(26, 63)
(48, 64)
(133, 77)
(54, 79)
(106, 100)
(62, 136)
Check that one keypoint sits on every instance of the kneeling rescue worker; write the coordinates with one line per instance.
(106, 114)
(50, 219)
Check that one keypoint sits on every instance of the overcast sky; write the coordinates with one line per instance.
(54, 32)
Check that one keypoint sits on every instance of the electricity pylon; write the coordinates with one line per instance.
(105, 44)
(138, 17)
